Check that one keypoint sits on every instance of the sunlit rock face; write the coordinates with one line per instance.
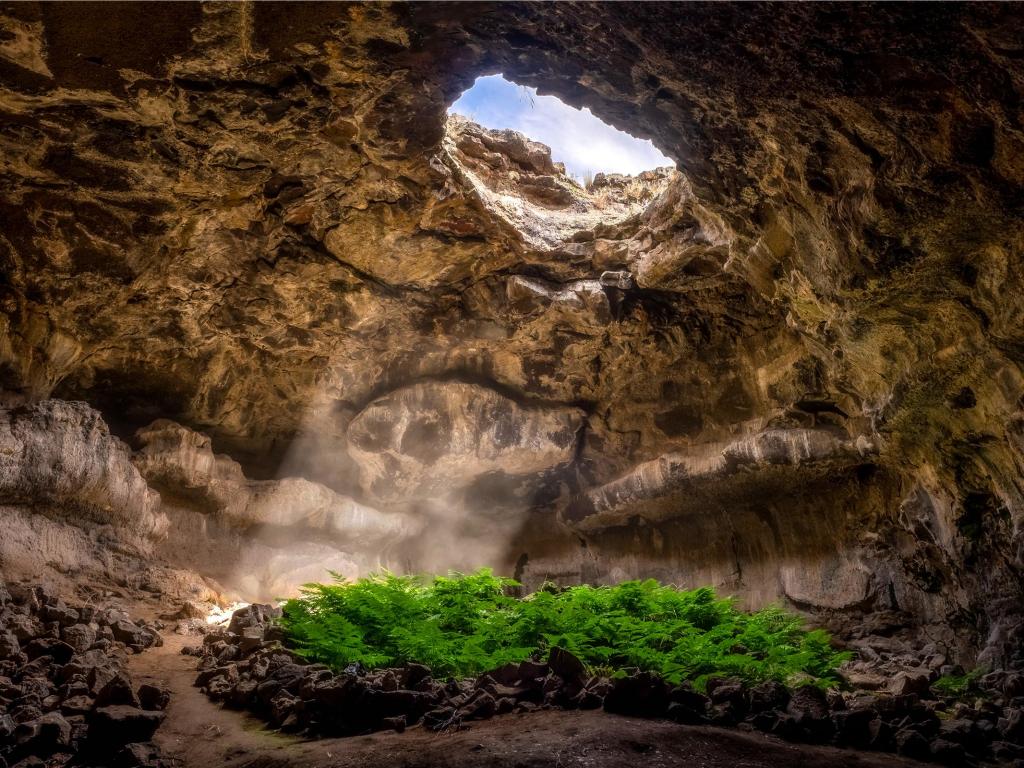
(61, 456)
(426, 440)
(517, 183)
(262, 538)
(794, 373)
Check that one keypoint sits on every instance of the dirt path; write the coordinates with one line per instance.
(202, 735)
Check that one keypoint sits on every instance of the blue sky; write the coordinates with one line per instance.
(577, 138)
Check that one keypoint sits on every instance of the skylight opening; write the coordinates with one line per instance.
(585, 144)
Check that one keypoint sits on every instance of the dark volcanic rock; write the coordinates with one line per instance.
(565, 664)
(639, 695)
(70, 701)
(117, 725)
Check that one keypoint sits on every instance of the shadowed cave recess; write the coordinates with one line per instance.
(267, 310)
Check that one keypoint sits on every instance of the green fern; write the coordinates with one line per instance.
(465, 624)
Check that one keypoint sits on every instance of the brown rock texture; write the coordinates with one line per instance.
(794, 372)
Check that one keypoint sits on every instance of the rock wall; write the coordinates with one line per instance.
(60, 457)
(795, 373)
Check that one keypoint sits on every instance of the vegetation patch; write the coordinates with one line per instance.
(462, 625)
(958, 686)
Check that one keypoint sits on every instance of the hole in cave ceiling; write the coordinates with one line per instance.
(550, 169)
(585, 144)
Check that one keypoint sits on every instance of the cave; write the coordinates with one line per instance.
(271, 309)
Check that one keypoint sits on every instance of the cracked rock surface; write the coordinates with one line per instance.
(790, 368)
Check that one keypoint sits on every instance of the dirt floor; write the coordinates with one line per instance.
(203, 735)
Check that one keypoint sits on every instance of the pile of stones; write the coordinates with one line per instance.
(65, 695)
(247, 667)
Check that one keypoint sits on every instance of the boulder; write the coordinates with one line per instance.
(118, 690)
(687, 705)
(9, 645)
(414, 674)
(153, 697)
(58, 650)
(252, 616)
(54, 733)
(767, 696)
(640, 695)
(853, 727)
(565, 664)
(905, 683)
(114, 726)
(910, 743)
(79, 636)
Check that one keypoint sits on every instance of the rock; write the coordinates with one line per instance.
(191, 610)
(947, 752)
(79, 636)
(639, 695)
(59, 613)
(252, 616)
(54, 733)
(518, 441)
(687, 706)
(532, 670)
(191, 627)
(766, 696)
(138, 756)
(77, 705)
(62, 453)
(9, 645)
(565, 664)
(727, 691)
(1005, 751)
(282, 706)
(808, 702)
(441, 719)
(118, 690)
(24, 628)
(906, 683)
(585, 699)
(482, 707)
(118, 725)
(1011, 725)
(414, 674)
(853, 727)
(126, 632)
(153, 697)
(251, 639)
(622, 280)
(910, 743)
(60, 651)
(808, 708)
(26, 596)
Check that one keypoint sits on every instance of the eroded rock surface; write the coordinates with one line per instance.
(61, 457)
(264, 538)
(251, 221)
(429, 439)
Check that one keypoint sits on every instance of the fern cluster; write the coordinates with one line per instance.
(957, 686)
(467, 624)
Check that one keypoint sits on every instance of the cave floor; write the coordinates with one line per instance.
(201, 734)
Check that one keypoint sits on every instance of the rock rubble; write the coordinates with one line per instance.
(66, 697)
(247, 667)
